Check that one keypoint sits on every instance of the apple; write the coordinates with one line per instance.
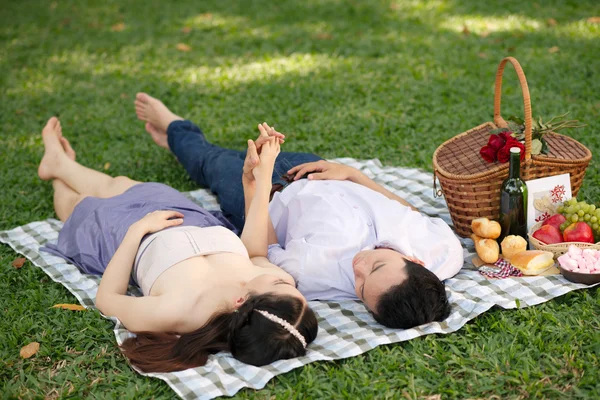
(548, 234)
(556, 220)
(578, 232)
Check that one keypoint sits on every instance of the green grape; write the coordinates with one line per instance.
(560, 209)
(597, 212)
(568, 216)
(564, 226)
(587, 217)
(580, 213)
(574, 217)
(595, 227)
(572, 201)
(592, 208)
(593, 219)
(585, 208)
(571, 210)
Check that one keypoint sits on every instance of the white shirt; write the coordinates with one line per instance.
(321, 225)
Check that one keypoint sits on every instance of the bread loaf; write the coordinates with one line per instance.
(512, 245)
(485, 228)
(532, 262)
(487, 249)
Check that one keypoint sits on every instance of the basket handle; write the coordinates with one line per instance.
(498, 120)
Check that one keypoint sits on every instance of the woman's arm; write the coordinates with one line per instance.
(115, 280)
(323, 170)
(258, 224)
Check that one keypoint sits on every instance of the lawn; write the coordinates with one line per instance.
(366, 79)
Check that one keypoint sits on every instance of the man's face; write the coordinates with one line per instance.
(375, 271)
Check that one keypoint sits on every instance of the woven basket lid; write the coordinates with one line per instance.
(459, 157)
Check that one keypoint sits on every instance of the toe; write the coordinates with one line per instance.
(143, 97)
(51, 122)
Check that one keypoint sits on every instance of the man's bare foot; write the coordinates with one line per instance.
(154, 111)
(159, 137)
(53, 149)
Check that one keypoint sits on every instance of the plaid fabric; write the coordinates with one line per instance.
(346, 328)
(504, 270)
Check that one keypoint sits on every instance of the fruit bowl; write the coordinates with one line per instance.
(578, 277)
(558, 248)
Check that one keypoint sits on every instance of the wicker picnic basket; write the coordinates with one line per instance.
(472, 186)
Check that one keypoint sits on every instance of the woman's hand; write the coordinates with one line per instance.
(269, 152)
(266, 132)
(158, 220)
(324, 170)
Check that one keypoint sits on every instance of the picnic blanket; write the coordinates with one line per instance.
(346, 328)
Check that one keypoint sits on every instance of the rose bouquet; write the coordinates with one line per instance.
(501, 140)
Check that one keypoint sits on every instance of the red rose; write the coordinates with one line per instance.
(506, 135)
(488, 153)
(504, 152)
(496, 142)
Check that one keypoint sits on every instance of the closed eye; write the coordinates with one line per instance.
(282, 282)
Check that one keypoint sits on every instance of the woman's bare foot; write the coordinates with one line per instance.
(53, 149)
(154, 112)
(66, 145)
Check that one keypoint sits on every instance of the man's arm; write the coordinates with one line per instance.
(364, 180)
(324, 170)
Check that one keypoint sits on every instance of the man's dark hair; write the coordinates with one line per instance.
(420, 299)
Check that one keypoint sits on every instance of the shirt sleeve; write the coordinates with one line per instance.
(285, 260)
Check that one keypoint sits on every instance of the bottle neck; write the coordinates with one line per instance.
(515, 165)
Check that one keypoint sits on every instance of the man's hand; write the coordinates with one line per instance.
(266, 132)
(324, 170)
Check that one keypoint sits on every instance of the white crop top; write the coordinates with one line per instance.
(161, 250)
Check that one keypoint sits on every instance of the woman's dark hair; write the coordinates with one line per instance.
(419, 299)
(246, 333)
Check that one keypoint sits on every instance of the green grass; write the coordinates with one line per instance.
(385, 79)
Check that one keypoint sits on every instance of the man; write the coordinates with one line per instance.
(338, 233)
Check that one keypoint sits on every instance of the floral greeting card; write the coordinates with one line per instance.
(544, 197)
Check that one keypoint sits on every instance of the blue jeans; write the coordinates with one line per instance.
(220, 169)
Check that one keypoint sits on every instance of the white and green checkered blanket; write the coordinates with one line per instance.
(346, 329)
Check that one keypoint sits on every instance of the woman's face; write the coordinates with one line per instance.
(266, 283)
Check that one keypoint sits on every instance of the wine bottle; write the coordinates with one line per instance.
(513, 200)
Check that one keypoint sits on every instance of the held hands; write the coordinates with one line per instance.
(158, 220)
(324, 170)
(269, 139)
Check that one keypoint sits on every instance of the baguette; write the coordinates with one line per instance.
(487, 249)
(532, 262)
(485, 228)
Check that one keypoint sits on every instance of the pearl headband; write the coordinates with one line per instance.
(285, 324)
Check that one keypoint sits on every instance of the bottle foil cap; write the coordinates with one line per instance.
(515, 150)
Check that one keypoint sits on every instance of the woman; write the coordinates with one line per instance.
(205, 290)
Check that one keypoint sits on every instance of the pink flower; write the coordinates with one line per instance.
(488, 153)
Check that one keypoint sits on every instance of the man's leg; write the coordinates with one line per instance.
(213, 167)
(210, 166)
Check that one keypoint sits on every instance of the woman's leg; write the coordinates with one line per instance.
(57, 164)
(65, 199)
